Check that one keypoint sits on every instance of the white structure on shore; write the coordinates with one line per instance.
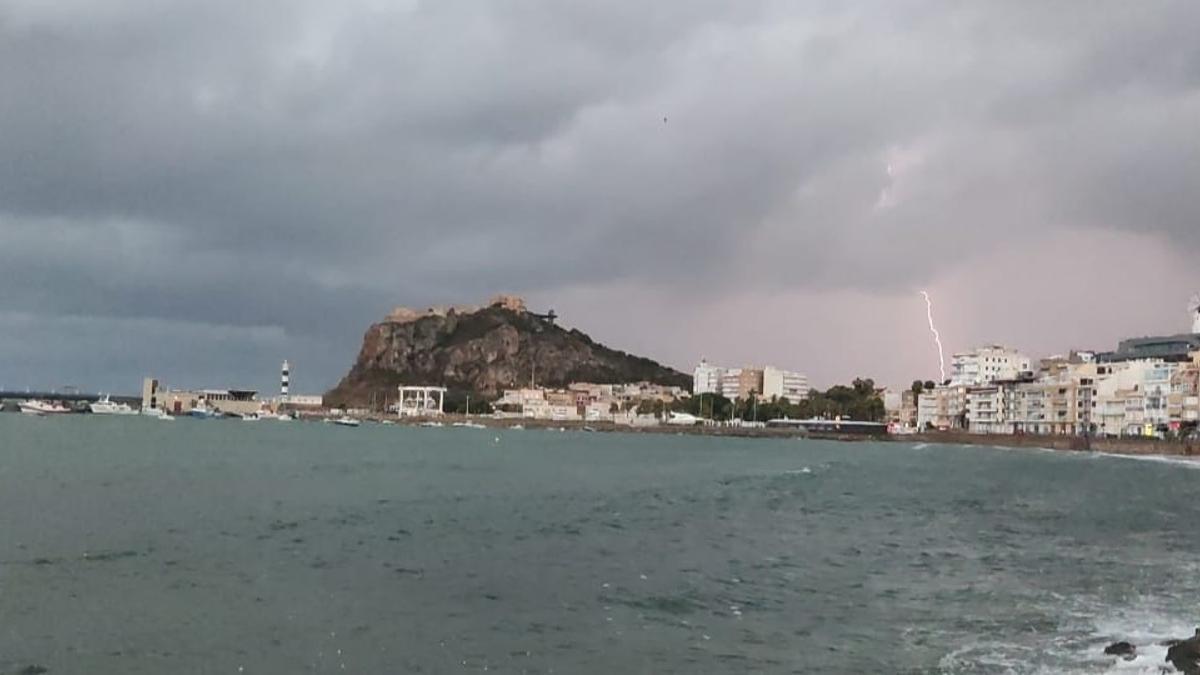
(421, 401)
(784, 384)
(706, 379)
(986, 364)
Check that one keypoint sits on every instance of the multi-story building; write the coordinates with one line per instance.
(750, 383)
(1047, 406)
(945, 407)
(784, 384)
(1183, 403)
(1141, 398)
(706, 379)
(987, 364)
(989, 408)
(1060, 400)
(735, 383)
(1170, 348)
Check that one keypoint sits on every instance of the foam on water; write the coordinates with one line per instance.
(1173, 460)
(1145, 627)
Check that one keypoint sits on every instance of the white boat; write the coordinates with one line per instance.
(344, 421)
(35, 407)
(432, 424)
(106, 407)
(251, 417)
(281, 417)
(158, 414)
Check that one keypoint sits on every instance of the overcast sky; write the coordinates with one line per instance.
(199, 189)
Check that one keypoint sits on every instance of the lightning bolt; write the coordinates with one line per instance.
(937, 337)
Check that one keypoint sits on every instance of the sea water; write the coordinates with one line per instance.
(131, 545)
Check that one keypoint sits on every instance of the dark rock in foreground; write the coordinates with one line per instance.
(1125, 649)
(1185, 655)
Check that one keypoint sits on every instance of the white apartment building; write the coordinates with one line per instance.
(1133, 398)
(987, 364)
(784, 384)
(989, 409)
(706, 379)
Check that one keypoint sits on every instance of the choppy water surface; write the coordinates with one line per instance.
(137, 546)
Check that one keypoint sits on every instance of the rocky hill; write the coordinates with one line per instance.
(483, 350)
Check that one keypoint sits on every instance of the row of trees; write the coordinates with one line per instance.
(858, 401)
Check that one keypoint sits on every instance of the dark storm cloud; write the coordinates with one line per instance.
(301, 166)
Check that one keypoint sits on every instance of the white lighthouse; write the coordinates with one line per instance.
(284, 377)
(1194, 308)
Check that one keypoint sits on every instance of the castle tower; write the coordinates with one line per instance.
(284, 377)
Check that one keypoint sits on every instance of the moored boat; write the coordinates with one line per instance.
(106, 407)
(346, 421)
(202, 412)
(36, 407)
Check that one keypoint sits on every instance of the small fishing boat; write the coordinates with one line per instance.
(345, 421)
(202, 412)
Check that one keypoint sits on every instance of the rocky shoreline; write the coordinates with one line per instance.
(1182, 654)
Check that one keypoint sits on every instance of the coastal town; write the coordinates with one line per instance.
(1148, 387)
